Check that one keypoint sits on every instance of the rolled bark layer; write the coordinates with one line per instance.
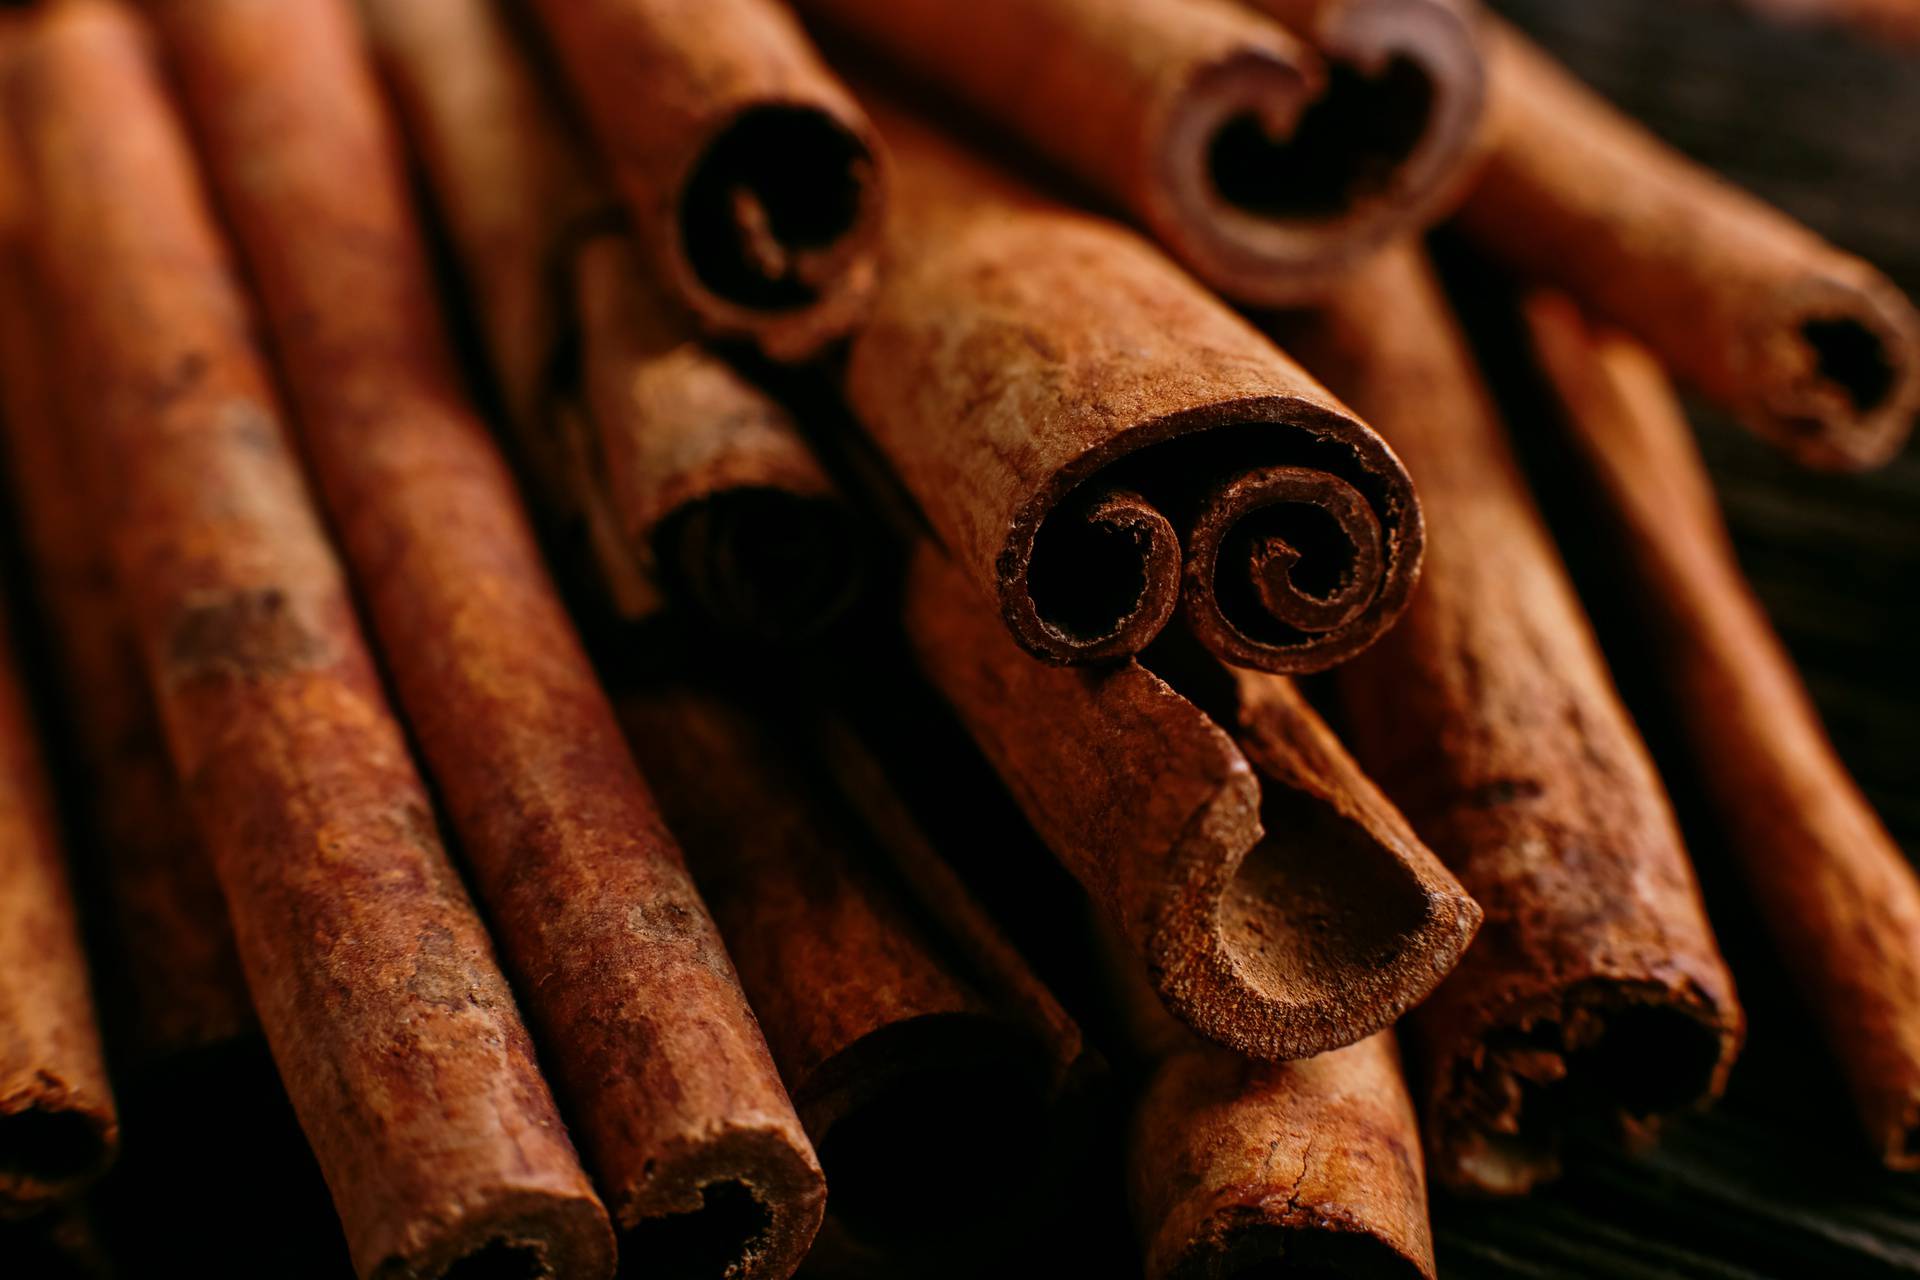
(926, 1069)
(1839, 897)
(657, 1055)
(1279, 942)
(1094, 438)
(1596, 988)
(755, 184)
(58, 1126)
(375, 982)
(1809, 346)
(1262, 169)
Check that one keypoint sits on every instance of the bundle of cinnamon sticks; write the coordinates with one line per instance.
(500, 483)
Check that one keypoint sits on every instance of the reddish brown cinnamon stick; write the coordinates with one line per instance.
(1839, 896)
(1894, 21)
(755, 184)
(1808, 345)
(1489, 717)
(647, 1032)
(1092, 436)
(1211, 125)
(1279, 943)
(375, 982)
(926, 1082)
(183, 987)
(58, 1128)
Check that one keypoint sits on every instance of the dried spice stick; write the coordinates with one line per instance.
(1093, 437)
(1280, 943)
(1895, 21)
(174, 951)
(928, 1087)
(1838, 895)
(656, 1054)
(392, 1026)
(755, 184)
(58, 1128)
(1489, 717)
(1808, 345)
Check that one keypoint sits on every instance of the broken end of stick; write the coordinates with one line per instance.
(54, 1142)
(519, 1235)
(746, 1206)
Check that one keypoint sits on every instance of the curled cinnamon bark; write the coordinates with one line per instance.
(375, 982)
(647, 1033)
(1837, 893)
(173, 950)
(1488, 715)
(1809, 346)
(1280, 941)
(1076, 418)
(1262, 170)
(58, 1126)
(927, 1083)
(755, 184)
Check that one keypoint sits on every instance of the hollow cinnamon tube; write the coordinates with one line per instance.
(696, 487)
(1809, 346)
(644, 1026)
(1279, 942)
(173, 949)
(1093, 437)
(1263, 171)
(1837, 893)
(927, 1086)
(392, 1026)
(754, 182)
(58, 1127)
(1488, 715)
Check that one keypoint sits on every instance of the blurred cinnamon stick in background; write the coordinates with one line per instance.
(1596, 988)
(754, 182)
(376, 984)
(1093, 438)
(658, 1058)
(1808, 346)
(1263, 170)
(1837, 894)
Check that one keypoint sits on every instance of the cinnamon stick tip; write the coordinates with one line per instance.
(746, 1206)
(1846, 389)
(520, 1234)
(1247, 1239)
(54, 1142)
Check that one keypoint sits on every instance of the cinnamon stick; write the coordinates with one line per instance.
(1092, 436)
(754, 183)
(1279, 941)
(695, 486)
(58, 1127)
(173, 949)
(1263, 170)
(1809, 346)
(925, 1070)
(656, 1054)
(1488, 715)
(373, 978)
(1897, 22)
(1837, 893)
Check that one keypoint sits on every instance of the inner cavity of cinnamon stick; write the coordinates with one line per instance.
(1262, 163)
(754, 182)
(1837, 893)
(1809, 346)
(1096, 440)
(1281, 940)
(1596, 993)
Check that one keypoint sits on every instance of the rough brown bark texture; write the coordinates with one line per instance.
(643, 1022)
(926, 1061)
(1839, 897)
(1276, 948)
(1806, 344)
(755, 184)
(1095, 438)
(1489, 716)
(392, 1026)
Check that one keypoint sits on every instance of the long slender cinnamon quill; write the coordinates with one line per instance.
(1836, 891)
(657, 1056)
(1488, 715)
